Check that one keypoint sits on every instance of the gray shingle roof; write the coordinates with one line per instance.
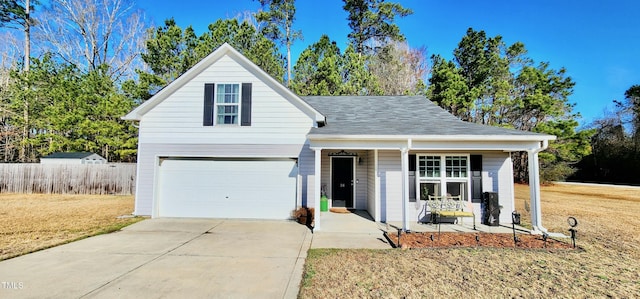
(69, 155)
(394, 115)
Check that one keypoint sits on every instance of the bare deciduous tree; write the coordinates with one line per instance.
(89, 33)
(10, 57)
(10, 51)
(400, 69)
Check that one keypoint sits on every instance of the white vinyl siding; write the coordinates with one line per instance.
(306, 169)
(361, 180)
(371, 184)
(497, 176)
(390, 170)
(178, 119)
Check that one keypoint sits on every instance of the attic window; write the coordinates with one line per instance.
(227, 104)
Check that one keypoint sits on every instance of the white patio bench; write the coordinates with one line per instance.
(451, 207)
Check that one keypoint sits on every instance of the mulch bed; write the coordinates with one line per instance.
(448, 239)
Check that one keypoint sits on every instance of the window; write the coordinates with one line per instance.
(429, 188)
(227, 103)
(456, 167)
(429, 166)
(455, 180)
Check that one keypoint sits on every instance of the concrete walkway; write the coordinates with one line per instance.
(167, 258)
(349, 230)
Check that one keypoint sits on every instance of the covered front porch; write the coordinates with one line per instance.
(390, 183)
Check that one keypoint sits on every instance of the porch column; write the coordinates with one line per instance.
(377, 203)
(316, 187)
(405, 189)
(534, 190)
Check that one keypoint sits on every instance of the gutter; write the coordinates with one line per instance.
(497, 138)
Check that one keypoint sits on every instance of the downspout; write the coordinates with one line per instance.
(534, 190)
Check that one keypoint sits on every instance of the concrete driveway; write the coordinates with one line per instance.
(168, 258)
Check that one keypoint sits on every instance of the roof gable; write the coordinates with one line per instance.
(401, 116)
(229, 51)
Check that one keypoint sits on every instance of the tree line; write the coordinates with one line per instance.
(65, 93)
(97, 59)
(615, 155)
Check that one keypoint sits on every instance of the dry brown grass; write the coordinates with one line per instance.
(607, 267)
(30, 222)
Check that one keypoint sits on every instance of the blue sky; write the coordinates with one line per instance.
(598, 42)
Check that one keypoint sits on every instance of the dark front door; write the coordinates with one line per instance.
(342, 181)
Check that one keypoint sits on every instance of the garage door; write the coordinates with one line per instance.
(251, 188)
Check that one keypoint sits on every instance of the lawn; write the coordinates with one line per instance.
(31, 222)
(607, 266)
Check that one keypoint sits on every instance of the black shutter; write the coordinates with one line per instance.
(207, 114)
(476, 162)
(412, 162)
(245, 114)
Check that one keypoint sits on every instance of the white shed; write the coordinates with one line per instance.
(73, 158)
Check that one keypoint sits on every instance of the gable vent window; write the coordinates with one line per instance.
(227, 104)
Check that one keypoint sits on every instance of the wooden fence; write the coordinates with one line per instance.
(117, 178)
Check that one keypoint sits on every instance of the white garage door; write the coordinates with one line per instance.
(251, 188)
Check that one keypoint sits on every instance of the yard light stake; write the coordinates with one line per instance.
(573, 222)
(513, 227)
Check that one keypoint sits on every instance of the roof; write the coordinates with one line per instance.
(68, 155)
(412, 116)
(224, 50)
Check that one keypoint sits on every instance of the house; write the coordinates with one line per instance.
(227, 140)
(73, 158)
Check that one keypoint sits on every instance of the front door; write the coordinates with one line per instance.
(342, 181)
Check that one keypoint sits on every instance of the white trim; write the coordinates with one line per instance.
(237, 104)
(531, 137)
(511, 185)
(443, 179)
(353, 179)
(376, 185)
(224, 50)
(316, 187)
(404, 157)
(427, 145)
(157, 180)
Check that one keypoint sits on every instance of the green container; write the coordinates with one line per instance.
(324, 204)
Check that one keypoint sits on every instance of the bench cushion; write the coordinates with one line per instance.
(454, 214)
